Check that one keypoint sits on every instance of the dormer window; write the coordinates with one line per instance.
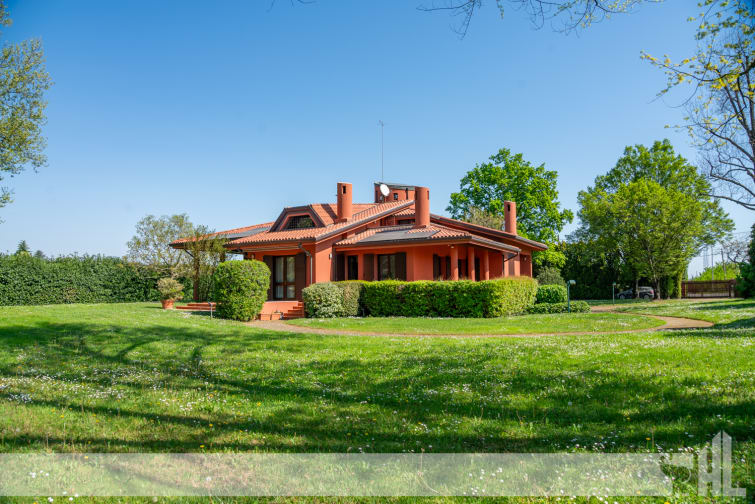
(395, 196)
(300, 222)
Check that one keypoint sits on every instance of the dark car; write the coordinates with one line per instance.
(645, 293)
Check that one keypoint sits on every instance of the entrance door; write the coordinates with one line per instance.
(284, 277)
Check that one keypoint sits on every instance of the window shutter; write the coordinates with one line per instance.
(369, 267)
(401, 266)
(300, 272)
(448, 267)
(269, 261)
(340, 267)
(436, 266)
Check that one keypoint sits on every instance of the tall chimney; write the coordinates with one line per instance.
(344, 210)
(510, 216)
(421, 206)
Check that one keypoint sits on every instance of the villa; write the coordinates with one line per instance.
(394, 237)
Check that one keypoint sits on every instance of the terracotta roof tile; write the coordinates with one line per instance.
(235, 231)
(363, 214)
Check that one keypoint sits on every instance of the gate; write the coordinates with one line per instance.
(708, 288)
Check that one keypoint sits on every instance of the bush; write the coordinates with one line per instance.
(490, 298)
(576, 307)
(351, 292)
(550, 276)
(170, 288)
(27, 280)
(550, 294)
(323, 300)
(240, 288)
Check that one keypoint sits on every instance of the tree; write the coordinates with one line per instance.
(23, 249)
(206, 252)
(151, 243)
(746, 279)
(510, 177)
(39, 254)
(653, 210)
(569, 14)
(23, 81)
(721, 106)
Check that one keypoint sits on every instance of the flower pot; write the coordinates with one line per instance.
(167, 304)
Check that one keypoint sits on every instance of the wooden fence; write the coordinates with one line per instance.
(708, 288)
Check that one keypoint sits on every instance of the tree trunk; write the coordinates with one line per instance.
(196, 277)
(637, 287)
(657, 288)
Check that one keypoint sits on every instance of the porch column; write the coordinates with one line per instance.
(485, 265)
(454, 263)
(360, 266)
(470, 264)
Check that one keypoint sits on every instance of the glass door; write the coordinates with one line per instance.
(284, 277)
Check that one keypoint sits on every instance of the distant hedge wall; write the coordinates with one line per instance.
(392, 298)
(26, 280)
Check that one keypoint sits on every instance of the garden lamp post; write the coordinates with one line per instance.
(568, 294)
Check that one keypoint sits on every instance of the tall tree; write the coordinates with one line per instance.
(23, 248)
(509, 177)
(23, 81)
(746, 279)
(151, 243)
(206, 251)
(721, 101)
(653, 209)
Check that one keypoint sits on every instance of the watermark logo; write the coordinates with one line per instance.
(714, 468)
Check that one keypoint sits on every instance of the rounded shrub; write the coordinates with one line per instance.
(170, 288)
(323, 300)
(550, 294)
(550, 276)
(240, 288)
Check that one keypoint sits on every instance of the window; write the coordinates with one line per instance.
(300, 222)
(395, 196)
(392, 266)
(284, 277)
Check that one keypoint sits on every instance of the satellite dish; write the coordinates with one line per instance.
(384, 190)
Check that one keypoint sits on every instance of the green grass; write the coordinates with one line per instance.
(132, 377)
(524, 324)
(726, 313)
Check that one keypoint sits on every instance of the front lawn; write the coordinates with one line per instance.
(132, 377)
(725, 313)
(523, 324)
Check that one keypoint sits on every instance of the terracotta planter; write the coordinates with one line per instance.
(167, 304)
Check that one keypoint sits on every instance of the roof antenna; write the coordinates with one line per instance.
(382, 170)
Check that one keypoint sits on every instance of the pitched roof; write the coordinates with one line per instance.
(231, 234)
(409, 233)
(454, 223)
(364, 213)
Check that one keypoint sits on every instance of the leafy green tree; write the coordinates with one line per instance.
(206, 252)
(654, 211)
(720, 103)
(23, 81)
(23, 249)
(509, 177)
(746, 279)
(151, 243)
(39, 254)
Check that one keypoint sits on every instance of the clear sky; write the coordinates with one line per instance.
(229, 111)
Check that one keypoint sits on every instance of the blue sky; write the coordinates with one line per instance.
(231, 110)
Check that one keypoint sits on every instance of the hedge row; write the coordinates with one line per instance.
(550, 294)
(576, 307)
(26, 280)
(389, 298)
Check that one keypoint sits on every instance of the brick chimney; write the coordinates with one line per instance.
(344, 209)
(510, 216)
(421, 207)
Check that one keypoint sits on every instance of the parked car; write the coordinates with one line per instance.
(645, 293)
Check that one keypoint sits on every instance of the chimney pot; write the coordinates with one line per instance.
(343, 202)
(510, 216)
(421, 206)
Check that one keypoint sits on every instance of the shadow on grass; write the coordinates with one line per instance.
(404, 388)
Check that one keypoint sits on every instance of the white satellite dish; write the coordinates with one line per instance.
(385, 190)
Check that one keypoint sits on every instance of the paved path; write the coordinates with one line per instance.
(670, 323)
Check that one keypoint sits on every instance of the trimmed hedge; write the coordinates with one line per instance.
(393, 298)
(334, 299)
(576, 307)
(550, 294)
(27, 280)
(240, 288)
